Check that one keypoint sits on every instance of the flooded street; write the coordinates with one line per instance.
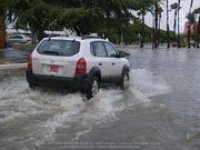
(159, 111)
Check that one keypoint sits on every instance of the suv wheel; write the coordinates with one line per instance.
(93, 87)
(124, 82)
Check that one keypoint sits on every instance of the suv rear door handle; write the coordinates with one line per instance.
(113, 63)
(100, 64)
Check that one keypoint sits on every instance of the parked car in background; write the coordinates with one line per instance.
(18, 38)
(78, 63)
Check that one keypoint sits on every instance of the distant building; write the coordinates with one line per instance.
(193, 28)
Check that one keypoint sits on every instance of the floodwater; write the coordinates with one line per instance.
(160, 110)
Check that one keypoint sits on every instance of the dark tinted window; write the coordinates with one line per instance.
(19, 37)
(16, 37)
(98, 49)
(59, 47)
(110, 50)
(92, 49)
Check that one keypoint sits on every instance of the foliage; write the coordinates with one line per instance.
(2, 24)
(182, 44)
(108, 18)
(191, 17)
(196, 11)
(174, 6)
(195, 35)
(126, 54)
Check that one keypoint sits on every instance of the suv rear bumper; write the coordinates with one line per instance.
(76, 83)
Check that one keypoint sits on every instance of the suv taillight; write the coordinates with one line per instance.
(81, 66)
(29, 62)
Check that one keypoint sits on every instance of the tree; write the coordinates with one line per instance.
(160, 10)
(191, 19)
(81, 15)
(35, 15)
(144, 7)
(174, 7)
(156, 31)
(115, 15)
(156, 12)
(2, 25)
(110, 18)
(197, 12)
(178, 9)
(167, 3)
(191, 22)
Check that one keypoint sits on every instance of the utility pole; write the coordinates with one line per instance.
(168, 45)
(179, 45)
(189, 23)
(198, 32)
(188, 39)
(152, 32)
(156, 27)
(142, 32)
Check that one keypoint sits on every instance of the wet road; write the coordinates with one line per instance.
(11, 55)
(160, 111)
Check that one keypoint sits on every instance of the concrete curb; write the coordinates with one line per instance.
(13, 66)
(28, 47)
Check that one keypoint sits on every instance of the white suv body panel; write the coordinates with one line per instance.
(42, 63)
(102, 63)
(66, 64)
(109, 67)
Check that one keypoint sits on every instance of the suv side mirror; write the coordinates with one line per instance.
(121, 55)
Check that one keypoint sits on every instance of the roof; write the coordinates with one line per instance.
(78, 38)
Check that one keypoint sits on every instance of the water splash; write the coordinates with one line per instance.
(54, 109)
(145, 85)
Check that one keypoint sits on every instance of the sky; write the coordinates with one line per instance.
(185, 4)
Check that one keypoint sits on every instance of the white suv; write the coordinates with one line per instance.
(79, 63)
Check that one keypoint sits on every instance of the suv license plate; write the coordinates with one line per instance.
(53, 69)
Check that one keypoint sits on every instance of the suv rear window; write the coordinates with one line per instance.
(59, 47)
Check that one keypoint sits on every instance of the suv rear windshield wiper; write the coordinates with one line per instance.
(50, 52)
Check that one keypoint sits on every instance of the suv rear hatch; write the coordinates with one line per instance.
(56, 58)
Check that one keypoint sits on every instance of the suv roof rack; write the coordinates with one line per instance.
(84, 37)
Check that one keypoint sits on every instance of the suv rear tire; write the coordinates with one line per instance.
(32, 86)
(93, 87)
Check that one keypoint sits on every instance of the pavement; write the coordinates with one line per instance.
(11, 66)
(12, 55)
(18, 53)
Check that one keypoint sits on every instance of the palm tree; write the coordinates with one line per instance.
(174, 7)
(142, 12)
(158, 11)
(160, 16)
(197, 12)
(191, 19)
(155, 34)
(167, 3)
(178, 9)
(144, 6)
(151, 6)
